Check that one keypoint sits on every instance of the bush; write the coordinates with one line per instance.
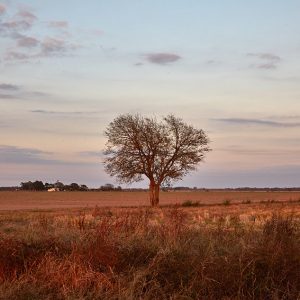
(226, 202)
(189, 203)
(248, 201)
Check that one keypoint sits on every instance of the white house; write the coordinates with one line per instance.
(53, 190)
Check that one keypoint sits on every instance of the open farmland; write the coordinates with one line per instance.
(237, 251)
(45, 200)
(112, 245)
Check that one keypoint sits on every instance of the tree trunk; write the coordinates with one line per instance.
(154, 193)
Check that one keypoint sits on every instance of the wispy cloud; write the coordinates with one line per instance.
(28, 47)
(268, 60)
(267, 66)
(8, 96)
(162, 58)
(286, 117)
(212, 62)
(18, 155)
(2, 9)
(50, 47)
(32, 156)
(266, 56)
(26, 15)
(53, 47)
(10, 91)
(246, 151)
(27, 42)
(91, 153)
(58, 24)
(240, 121)
(22, 21)
(9, 87)
(51, 112)
(138, 64)
(3, 124)
(14, 55)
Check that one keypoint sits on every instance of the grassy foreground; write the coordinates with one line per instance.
(168, 253)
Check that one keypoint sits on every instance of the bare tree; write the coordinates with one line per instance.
(163, 151)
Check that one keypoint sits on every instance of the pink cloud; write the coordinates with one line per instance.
(55, 47)
(266, 56)
(13, 55)
(23, 20)
(27, 42)
(26, 15)
(16, 25)
(269, 60)
(267, 66)
(2, 9)
(51, 46)
(162, 58)
(58, 24)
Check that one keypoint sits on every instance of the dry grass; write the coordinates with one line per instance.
(245, 251)
(44, 200)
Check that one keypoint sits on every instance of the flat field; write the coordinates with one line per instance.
(44, 200)
(244, 250)
(112, 245)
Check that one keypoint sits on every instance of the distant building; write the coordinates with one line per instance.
(53, 190)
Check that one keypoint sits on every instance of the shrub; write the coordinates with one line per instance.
(248, 201)
(226, 202)
(189, 203)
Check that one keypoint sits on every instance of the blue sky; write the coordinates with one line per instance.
(67, 68)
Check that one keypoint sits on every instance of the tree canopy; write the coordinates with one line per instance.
(163, 151)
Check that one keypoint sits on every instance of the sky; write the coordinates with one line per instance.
(68, 68)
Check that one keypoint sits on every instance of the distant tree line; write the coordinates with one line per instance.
(110, 187)
(8, 188)
(59, 186)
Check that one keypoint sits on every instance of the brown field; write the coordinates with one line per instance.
(233, 251)
(106, 245)
(44, 200)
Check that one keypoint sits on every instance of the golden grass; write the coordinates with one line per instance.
(235, 251)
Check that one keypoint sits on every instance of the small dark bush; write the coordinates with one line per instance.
(189, 203)
(226, 202)
(248, 201)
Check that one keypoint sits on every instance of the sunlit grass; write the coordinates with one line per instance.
(207, 252)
